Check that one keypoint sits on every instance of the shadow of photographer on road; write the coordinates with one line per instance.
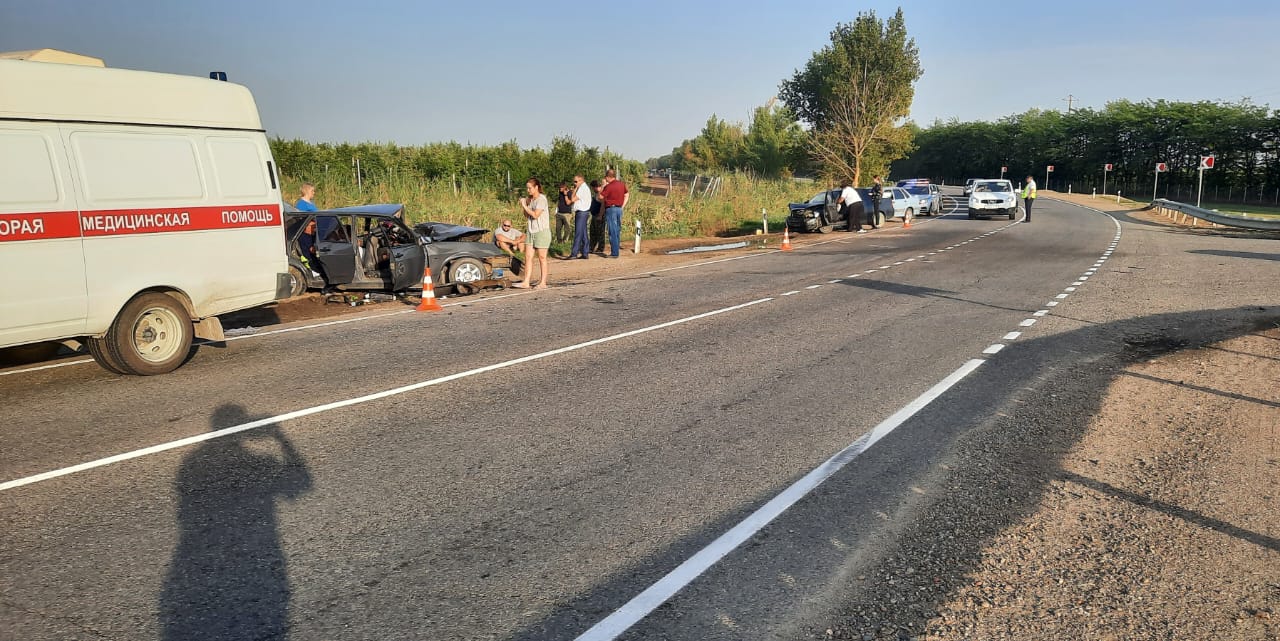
(228, 577)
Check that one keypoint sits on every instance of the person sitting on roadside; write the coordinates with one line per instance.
(508, 238)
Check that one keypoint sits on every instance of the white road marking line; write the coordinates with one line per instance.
(855, 275)
(1043, 312)
(1052, 303)
(199, 438)
(791, 293)
(813, 286)
(837, 280)
(1077, 283)
(1028, 322)
(36, 369)
(1011, 336)
(909, 260)
(993, 349)
(886, 267)
(614, 625)
(1062, 296)
(1069, 289)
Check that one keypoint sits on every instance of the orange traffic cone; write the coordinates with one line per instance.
(429, 303)
(786, 240)
(906, 221)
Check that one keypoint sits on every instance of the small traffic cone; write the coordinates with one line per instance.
(906, 221)
(429, 302)
(786, 240)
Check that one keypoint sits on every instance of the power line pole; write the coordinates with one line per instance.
(1070, 100)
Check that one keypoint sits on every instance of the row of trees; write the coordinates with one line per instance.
(840, 116)
(475, 167)
(1131, 136)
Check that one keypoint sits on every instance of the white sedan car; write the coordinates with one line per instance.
(992, 196)
(905, 204)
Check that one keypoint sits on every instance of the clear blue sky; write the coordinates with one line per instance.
(639, 77)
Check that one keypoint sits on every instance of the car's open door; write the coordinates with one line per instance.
(334, 249)
(408, 258)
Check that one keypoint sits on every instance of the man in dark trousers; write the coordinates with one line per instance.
(877, 192)
(1029, 197)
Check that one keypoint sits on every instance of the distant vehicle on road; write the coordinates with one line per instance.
(369, 247)
(993, 196)
(929, 194)
(904, 204)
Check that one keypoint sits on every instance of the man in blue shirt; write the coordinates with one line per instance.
(308, 195)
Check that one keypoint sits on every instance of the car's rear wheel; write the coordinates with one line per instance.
(972, 214)
(1013, 212)
(467, 270)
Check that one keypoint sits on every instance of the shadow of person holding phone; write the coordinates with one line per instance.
(228, 577)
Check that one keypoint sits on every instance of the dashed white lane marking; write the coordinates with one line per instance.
(791, 293)
(813, 286)
(1043, 312)
(836, 280)
(655, 595)
(1011, 336)
(1052, 303)
(993, 349)
(1069, 289)
(853, 275)
(155, 449)
(1028, 322)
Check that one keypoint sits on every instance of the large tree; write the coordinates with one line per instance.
(854, 93)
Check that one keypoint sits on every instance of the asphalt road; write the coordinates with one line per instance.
(520, 468)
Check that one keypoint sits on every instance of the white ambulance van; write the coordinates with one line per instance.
(134, 208)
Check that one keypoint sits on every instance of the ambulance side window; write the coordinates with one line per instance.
(27, 173)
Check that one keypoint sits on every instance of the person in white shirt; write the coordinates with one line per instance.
(847, 197)
(580, 200)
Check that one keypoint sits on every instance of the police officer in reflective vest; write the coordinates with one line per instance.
(1029, 197)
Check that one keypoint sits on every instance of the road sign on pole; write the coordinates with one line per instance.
(1105, 169)
(1003, 168)
(1155, 188)
(1206, 162)
(1047, 170)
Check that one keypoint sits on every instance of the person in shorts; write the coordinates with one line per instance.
(538, 239)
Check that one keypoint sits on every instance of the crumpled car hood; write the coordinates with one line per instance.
(445, 232)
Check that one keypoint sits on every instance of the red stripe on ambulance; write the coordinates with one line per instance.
(153, 221)
(52, 224)
(121, 222)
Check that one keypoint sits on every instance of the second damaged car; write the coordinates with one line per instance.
(370, 248)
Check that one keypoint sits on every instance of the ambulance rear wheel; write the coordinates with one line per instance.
(98, 349)
(297, 282)
(152, 335)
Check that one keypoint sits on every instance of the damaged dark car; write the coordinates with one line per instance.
(823, 212)
(370, 248)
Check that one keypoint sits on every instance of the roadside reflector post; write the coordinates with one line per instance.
(1068, 189)
(764, 217)
(1095, 193)
(1117, 196)
(637, 247)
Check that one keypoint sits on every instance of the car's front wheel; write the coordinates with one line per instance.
(972, 214)
(467, 270)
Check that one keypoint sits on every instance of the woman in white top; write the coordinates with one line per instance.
(539, 237)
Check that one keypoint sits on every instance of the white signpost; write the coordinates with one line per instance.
(1156, 188)
(1105, 168)
(1047, 170)
(1206, 162)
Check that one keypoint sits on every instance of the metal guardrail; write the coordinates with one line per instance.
(1182, 211)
